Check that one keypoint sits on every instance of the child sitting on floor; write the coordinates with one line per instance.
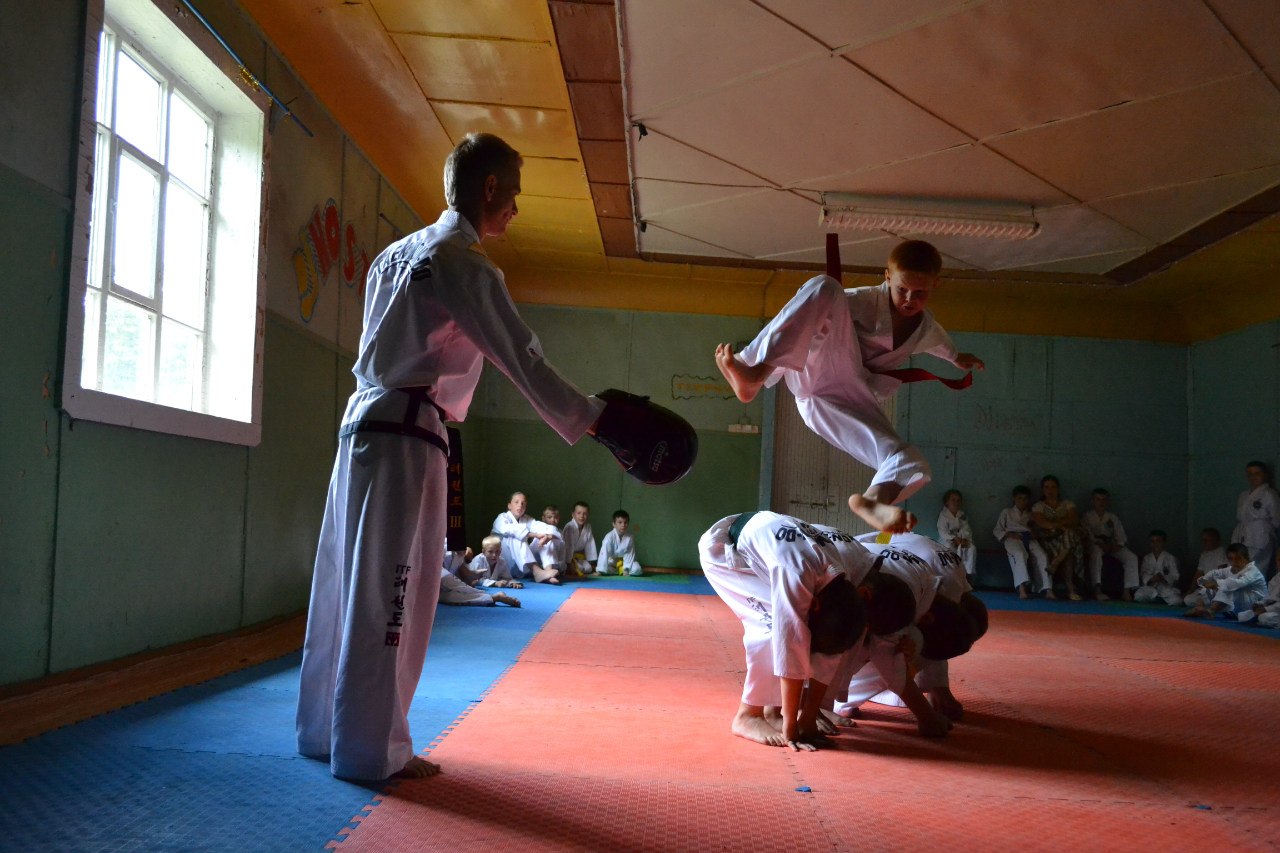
(490, 568)
(1026, 557)
(1159, 574)
(579, 542)
(618, 549)
(1235, 589)
(455, 590)
(954, 531)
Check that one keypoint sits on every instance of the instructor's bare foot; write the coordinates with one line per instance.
(745, 381)
(417, 768)
(756, 728)
(882, 516)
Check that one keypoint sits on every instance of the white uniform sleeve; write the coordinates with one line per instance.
(1148, 570)
(936, 342)
(477, 300)
(1232, 581)
(792, 599)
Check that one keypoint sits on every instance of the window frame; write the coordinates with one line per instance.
(233, 329)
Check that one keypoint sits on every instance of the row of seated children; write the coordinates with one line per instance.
(1049, 540)
(544, 551)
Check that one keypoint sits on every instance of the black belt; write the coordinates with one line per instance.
(409, 426)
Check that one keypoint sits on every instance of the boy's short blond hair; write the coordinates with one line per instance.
(490, 540)
(916, 256)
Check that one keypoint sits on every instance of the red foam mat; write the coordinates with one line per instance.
(1081, 733)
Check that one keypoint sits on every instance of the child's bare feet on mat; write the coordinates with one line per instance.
(933, 725)
(947, 705)
(835, 721)
(755, 727)
(417, 768)
(509, 600)
(745, 381)
(882, 516)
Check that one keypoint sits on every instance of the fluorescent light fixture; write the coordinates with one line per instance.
(965, 218)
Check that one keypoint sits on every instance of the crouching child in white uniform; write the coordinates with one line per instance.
(1159, 574)
(948, 619)
(954, 531)
(1235, 589)
(455, 590)
(618, 549)
(1212, 557)
(579, 542)
(1027, 559)
(791, 586)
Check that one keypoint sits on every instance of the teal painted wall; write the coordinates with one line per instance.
(1092, 412)
(641, 352)
(1234, 418)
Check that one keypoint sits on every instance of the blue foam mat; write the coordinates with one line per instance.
(213, 767)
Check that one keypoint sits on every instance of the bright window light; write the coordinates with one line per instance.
(164, 326)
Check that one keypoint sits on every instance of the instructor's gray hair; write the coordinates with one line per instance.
(475, 158)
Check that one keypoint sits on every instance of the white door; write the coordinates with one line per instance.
(811, 479)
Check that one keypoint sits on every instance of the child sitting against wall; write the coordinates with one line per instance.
(618, 549)
(1159, 573)
(954, 530)
(1027, 560)
(1234, 589)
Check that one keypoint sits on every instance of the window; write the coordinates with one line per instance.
(167, 336)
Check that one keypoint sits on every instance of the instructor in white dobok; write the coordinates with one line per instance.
(435, 307)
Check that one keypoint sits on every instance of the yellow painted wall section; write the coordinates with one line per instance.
(960, 305)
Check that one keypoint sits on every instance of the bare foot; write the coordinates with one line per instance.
(1022, 592)
(756, 728)
(882, 516)
(1048, 593)
(745, 381)
(509, 600)
(947, 705)
(933, 725)
(417, 768)
(773, 716)
(1196, 613)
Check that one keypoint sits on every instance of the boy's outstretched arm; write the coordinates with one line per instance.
(792, 691)
(969, 361)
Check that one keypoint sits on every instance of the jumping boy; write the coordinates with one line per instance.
(838, 350)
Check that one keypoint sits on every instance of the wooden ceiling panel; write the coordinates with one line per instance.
(663, 158)
(532, 132)
(554, 178)
(525, 20)
(1073, 231)
(1013, 64)
(597, 109)
(659, 197)
(525, 237)
(485, 71)
(588, 40)
(612, 200)
(605, 161)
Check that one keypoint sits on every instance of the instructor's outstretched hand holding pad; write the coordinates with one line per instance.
(652, 444)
